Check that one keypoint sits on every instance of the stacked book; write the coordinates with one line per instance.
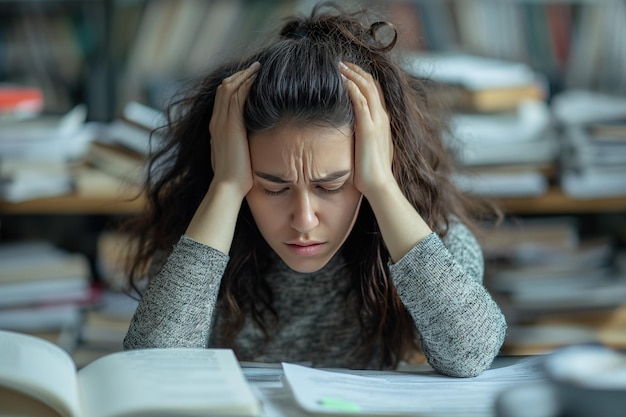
(594, 143)
(43, 289)
(555, 287)
(37, 154)
(501, 129)
(121, 148)
(105, 324)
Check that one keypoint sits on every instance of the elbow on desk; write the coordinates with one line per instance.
(470, 355)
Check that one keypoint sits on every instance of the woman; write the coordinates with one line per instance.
(303, 212)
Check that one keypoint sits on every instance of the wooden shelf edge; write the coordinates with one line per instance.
(555, 201)
(77, 204)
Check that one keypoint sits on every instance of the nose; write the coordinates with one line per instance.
(304, 217)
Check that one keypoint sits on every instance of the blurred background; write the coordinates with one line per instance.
(537, 95)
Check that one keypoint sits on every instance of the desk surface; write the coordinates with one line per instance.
(415, 388)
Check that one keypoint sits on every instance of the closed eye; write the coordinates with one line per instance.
(331, 190)
(274, 193)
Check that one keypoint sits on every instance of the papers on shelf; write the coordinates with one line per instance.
(21, 181)
(46, 140)
(42, 287)
(36, 155)
(579, 107)
(594, 143)
(503, 184)
(472, 72)
(593, 184)
(521, 137)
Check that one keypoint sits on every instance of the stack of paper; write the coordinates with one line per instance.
(36, 155)
(42, 288)
(501, 129)
(594, 148)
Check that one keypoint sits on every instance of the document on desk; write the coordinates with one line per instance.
(404, 393)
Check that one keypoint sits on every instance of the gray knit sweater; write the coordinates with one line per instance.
(439, 282)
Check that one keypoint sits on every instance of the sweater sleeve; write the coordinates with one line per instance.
(177, 308)
(440, 283)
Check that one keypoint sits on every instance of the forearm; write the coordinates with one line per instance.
(214, 222)
(178, 306)
(461, 327)
(400, 224)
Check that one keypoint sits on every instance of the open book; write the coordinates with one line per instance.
(38, 378)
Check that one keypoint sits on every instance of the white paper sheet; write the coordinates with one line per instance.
(400, 393)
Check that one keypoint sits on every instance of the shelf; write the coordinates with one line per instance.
(75, 204)
(127, 202)
(557, 202)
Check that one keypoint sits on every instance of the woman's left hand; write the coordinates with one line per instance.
(400, 224)
(373, 147)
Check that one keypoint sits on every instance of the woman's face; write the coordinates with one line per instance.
(303, 199)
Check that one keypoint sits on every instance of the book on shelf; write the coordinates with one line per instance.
(90, 182)
(136, 129)
(42, 287)
(491, 100)
(25, 180)
(478, 84)
(546, 333)
(45, 48)
(117, 161)
(594, 183)
(584, 107)
(541, 280)
(105, 324)
(176, 381)
(522, 137)
(40, 318)
(104, 330)
(583, 149)
(37, 155)
(594, 143)
(49, 139)
(20, 102)
(220, 22)
(608, 130)
(504, 180)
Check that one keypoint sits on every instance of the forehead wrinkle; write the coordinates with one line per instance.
(301, 159)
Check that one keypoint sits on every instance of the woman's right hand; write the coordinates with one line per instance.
(230, 155)
(214, 221)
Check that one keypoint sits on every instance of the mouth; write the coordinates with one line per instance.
(305, 249)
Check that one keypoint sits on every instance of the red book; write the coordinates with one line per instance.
(17, 99)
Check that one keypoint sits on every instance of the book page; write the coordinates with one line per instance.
(171, 382)
(39, 369)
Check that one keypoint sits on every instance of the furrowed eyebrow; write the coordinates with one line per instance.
(271, 178)
(328, 178)
(332, 177)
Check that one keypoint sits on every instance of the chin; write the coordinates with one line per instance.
(306, 266)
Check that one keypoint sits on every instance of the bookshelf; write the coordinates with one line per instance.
(107, 52)
(131, 50)
(131, 203)
(61, 47)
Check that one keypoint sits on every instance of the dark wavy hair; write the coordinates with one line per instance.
(299, 82)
